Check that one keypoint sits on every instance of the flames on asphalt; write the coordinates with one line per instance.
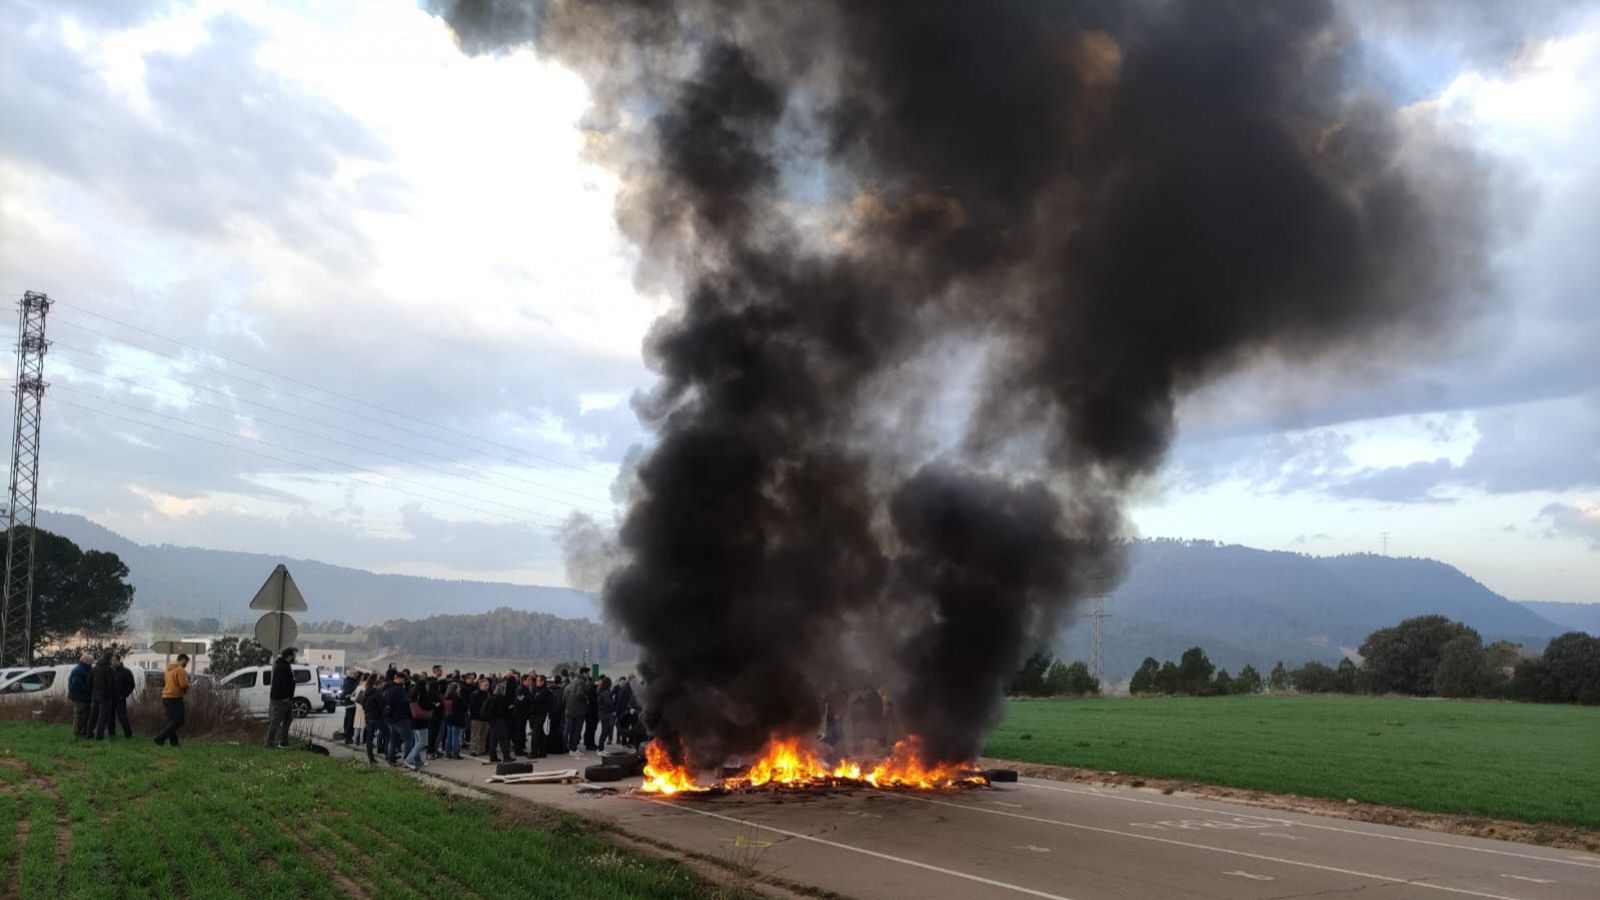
(797, 763)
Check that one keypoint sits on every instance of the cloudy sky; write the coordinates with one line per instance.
(326, 287)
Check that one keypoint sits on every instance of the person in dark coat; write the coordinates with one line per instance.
(455, 720)
(102, 684)
(497, 712)
(124, 684)
(577, 700)
(606, 698)
(372, 710)
(521, 712)
(539, 741)
(591, 713)
(280, 699)
(347, 692)
(82, 700)
(397, 710)
(478, 713)
(435, 691)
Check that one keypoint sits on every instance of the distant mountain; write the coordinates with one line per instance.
(1242, 605)
(1583, 617)
(1257, 606)
(192, 582)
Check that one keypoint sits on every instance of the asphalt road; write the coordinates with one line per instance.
(1067, 842)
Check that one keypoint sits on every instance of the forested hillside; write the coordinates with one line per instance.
(1256, 606)
(504, 634)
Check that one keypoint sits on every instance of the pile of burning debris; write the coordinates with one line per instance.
(787, 764)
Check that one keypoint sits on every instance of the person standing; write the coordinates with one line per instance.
(606, 698)
(347, 691)
(455, 720)
(577, 699)
(172, 691)
(435, 689)
(591, 712)
(280, 705)
(123, 686)
(372, 705)
(102, 682)
(497, 710)
(421, 716)
(78, 691)
(477, 709)
(539, 745)
(397, 709)
(521, 711)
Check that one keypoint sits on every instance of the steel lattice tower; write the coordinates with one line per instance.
(1097, 616)
(16, 617)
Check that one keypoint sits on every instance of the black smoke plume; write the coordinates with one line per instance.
(944, 269)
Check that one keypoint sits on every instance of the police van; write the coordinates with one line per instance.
(253, 686)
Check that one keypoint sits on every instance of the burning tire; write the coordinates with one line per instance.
(513, 768)
(604, 773)
(622, 759)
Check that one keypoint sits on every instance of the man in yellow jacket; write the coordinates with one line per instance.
(172, 691)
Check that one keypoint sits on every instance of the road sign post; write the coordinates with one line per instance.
(278, 596)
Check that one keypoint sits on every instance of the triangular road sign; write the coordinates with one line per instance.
(279, 593)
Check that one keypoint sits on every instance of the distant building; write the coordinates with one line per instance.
(330, 660)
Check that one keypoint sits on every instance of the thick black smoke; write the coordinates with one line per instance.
(944, 269)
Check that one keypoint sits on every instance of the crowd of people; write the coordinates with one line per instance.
(99, 692)
(410, 718)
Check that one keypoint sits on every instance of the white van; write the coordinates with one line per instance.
(37, 683)
(254, 687)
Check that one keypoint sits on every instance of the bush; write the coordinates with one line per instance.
(208, 713)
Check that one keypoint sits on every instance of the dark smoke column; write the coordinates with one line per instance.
(944, 270)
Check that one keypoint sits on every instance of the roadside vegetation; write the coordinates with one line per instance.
(214, 819)
(1536, 763)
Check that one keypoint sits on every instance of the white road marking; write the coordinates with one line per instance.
(1274, 834)
(1534, 880)
(1031, 848)
(1585, 861)
(865, 852)
(1225, 850)
(1250, 875)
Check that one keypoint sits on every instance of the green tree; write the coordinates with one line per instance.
(1074, 680)
(1347, 677)
(1573, 662)
(1222, 684)
(1167, 678)
(1403, 659)
(1314, 678)
(1279, 679)
(230, 654)
(76, 591)
(1194, 672)
(1029, 680)
(1248, 681)
(1463, 669)
(1144, 680)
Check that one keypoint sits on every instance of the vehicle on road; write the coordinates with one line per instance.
(39, 682)
(253, 686)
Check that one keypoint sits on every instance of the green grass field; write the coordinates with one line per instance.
(1506, 760)
(129, 819)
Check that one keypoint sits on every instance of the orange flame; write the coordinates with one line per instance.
(789, 762)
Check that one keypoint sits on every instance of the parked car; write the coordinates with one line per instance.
(254, 687)
(38, 682)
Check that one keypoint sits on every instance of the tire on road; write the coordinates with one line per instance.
(1000, 775)
(603, 773)
(513, 768)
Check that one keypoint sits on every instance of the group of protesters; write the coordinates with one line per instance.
(99, 692)
(410, 718)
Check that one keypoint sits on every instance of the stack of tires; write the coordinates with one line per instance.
(615, 766)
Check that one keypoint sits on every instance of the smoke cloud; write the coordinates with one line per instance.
(944, 270)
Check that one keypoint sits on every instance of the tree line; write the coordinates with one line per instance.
(1042, 675)
(1425, 656)
(505, 634)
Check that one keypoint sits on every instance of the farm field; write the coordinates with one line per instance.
(1506, 760)
(213, 819)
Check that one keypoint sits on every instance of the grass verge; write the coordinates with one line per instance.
(216, 819)
(1534, 763)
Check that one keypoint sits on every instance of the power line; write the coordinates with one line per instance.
(143, 386)
(292, 380)
(324, 424)
(546, 517)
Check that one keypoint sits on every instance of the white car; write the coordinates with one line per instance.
(38, 682)
(254, 687)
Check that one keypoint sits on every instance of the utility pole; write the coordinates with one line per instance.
(16, 617)
(1097, 616)
(1386, 543)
